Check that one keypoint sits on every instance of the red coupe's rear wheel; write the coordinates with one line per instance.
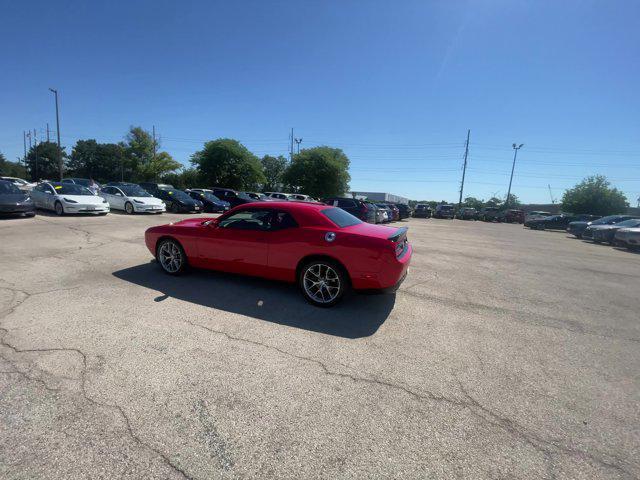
(323, 282)
(171, 257)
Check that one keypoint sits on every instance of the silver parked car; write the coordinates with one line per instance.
(628, 237)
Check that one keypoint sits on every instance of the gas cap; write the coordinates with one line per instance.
(330, 236)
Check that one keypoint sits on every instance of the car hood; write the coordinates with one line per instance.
(602, 227)
(13, 198)
(148, 200)
(190, 222)
(578, 224)
(84, 199)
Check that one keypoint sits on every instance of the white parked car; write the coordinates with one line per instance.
(132, 198)
(300, 197)
(629, 237)
(68, 198)
(20, 183)
(277, 196)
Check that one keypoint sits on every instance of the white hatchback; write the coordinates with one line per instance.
(132, 198)
(68, 198)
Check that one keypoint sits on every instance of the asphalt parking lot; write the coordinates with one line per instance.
(506, 353)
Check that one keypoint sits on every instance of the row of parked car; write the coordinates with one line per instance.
(81, 195)
(486, 214)
(367, 211)
(619, 230)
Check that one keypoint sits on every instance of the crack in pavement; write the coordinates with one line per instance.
(469, 403)
(83, 376)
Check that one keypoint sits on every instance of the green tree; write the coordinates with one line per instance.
(185, 178)
(594, 195)
(274, 168)
(42, 161)
(227, 163)
(154, 168)
(473, 202)
(11, 169)
(101, 161)
(140, 161)
(319, 172)
(493, 202)
(513, 201)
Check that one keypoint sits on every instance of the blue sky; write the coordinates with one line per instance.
(395, 84)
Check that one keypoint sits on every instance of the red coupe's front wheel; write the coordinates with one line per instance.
(322, 282)
(171, 257)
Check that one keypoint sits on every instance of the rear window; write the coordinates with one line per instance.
(340, 217)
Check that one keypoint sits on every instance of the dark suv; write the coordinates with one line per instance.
(489, 214)
(444, 211)
(422, 210)
(234, 198)
(355, 207)
(405, 210)
(511, 216)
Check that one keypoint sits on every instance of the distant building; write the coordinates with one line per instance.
(380, 197)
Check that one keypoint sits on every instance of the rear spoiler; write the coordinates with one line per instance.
(398, 234)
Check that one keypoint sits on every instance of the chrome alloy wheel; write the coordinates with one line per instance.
(321, 283)
(170, 256)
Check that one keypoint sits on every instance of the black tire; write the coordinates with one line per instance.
(128, 208)
(174, 208)
(334, 277)
(59, 209)
(169, 249)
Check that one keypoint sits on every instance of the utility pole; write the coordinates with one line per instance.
(35, 150)
(24, 140)
(515, 154)
(47, 132)
(154, 143)
(464, 168)
(298, 142)
(55, 92)
(291, 147)
(553, 200)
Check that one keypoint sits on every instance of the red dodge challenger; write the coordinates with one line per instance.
(324, 249)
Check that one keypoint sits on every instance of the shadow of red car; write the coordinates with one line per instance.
(356, 317)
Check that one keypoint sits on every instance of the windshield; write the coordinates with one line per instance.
(210, 196)
(631, 223)
(7, 188)
(179, 195)
(134, 191)
(605, 220)
(72, 189)
(340, 217)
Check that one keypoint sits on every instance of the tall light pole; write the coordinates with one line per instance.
(298, 142)
(515, 154)
(55, 92)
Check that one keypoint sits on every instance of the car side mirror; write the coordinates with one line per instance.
(213, 223)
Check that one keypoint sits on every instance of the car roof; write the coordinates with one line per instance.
(305, 213)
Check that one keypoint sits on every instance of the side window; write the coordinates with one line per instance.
(247, 220)
(346, 203)
(282, 220)
(108, 190)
